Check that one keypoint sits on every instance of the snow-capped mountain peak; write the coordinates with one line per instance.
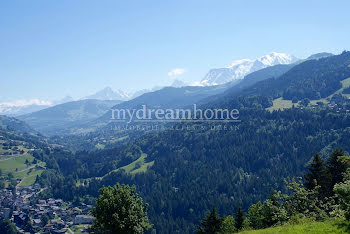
(109, 94)
(275, 58)
(238, 69)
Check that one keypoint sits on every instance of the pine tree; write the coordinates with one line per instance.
(317, 175)
(211, 224)
(336, 168)
(239, 218)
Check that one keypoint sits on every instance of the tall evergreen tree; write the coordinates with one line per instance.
(239, 217)
(211, 224)
(317, 175)
(336, 168)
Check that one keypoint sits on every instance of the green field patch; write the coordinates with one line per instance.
(329, 226)
(323, 100)
(137, 166)
(30, 178)
(143, 168)
(25, 172)
(10, 165)
(280, 104)
(16, 165)
(345, 84)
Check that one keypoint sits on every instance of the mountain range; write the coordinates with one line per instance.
(235, 71)
(167, 97)
(238, 69)
(67, 118)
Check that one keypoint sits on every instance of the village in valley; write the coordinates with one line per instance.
(22, 206)
(21, 199)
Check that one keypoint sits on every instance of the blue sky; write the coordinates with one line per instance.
(49, 49)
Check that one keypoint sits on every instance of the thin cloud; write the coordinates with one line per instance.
(177, 72)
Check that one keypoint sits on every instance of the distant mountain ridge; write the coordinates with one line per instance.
(320, 55)
(55, 120)
(240, 68)
(167, 97)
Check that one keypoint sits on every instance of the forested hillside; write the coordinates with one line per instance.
(317, 204)
(194, 169)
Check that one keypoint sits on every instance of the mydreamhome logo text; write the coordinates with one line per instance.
(194, 114)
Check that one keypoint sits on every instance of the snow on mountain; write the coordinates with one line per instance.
(20, 107)
(109, 94)
(23, 106)
(240, 68)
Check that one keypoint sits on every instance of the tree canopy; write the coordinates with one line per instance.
(120, 210)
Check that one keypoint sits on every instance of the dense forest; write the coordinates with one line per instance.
(322, 197)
